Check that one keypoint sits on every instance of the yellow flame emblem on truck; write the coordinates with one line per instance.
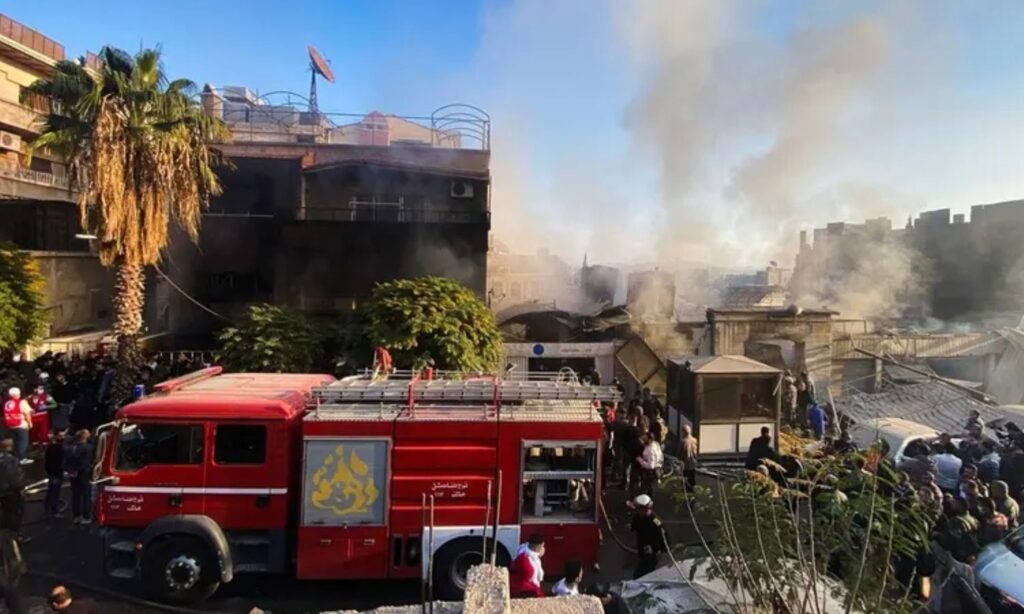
(349, 489)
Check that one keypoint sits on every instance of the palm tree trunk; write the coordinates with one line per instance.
(129, 298)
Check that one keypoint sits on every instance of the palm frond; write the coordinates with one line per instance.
(138, 150)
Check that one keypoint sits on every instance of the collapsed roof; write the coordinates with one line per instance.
(930, 403)
(556, 325)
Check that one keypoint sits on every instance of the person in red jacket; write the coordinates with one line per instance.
(525, 574)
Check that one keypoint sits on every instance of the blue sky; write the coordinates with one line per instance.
(385, 52)
(688, 130)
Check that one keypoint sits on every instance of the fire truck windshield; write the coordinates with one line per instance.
(143, 444)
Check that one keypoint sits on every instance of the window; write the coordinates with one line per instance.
(558, 481)
(140, 445)
(734, 398)
(240, 444)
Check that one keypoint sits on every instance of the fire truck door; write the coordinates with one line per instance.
(160, 471)
(345, 488)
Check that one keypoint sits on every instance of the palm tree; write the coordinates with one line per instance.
(137, 148)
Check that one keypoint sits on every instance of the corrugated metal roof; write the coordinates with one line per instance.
(724, 364)
(933, 404)
(902, 375)
(920, 345)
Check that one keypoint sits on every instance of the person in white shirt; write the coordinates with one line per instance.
(947, 468)
(569, 585)
(650, 461)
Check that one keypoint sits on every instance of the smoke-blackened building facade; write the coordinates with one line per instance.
(315, 225)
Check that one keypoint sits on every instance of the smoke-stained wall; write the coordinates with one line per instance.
(320, 238)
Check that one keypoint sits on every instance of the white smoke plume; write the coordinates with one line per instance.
(709, 132)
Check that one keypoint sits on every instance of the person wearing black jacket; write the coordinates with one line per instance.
(64, 392)
(54, 465)
(78, 465)
(650, 536)
(761, 448)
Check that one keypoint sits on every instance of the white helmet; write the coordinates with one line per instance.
(14, 393)
(643, 501)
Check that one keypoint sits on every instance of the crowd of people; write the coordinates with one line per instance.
(973, 484)
(72, 391)
(635, 438)
(51, 405)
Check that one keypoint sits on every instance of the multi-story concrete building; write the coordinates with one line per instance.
(315, 224)
(37, 211)
(514, 279)
(967, 270)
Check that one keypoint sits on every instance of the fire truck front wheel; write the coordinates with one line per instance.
(180, 569)
(452, 563)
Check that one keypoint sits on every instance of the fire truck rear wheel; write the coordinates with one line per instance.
(180, 569)
(452, 563)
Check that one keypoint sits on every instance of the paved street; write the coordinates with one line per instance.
(60, 551)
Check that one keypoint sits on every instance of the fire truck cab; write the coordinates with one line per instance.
(220, 474)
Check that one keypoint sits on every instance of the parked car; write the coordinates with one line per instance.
(1000, 574)
(896, 432)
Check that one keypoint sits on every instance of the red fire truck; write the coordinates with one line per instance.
(219, 474)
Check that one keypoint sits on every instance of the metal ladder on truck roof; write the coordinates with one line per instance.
(472, 390)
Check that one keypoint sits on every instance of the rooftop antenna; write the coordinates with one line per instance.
(317, 66)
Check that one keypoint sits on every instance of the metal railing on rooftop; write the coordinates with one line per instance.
(286, 117)
(30, 38)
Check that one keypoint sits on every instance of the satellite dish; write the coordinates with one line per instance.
(317, 66)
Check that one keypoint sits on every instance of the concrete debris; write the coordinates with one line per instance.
(487, 591)
(584, 604)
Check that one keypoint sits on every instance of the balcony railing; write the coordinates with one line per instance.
(30, 38)
(390, 213)
(20, 116)
(28, 175)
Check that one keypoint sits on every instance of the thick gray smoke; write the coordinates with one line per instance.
(709, 132)
(867, 275)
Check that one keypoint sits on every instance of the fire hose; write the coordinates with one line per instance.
(611, 530)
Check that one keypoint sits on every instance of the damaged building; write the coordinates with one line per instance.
(315, 212)
(964, 269)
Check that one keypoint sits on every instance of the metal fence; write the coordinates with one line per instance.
(387, 212)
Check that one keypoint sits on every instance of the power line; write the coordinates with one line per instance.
(189, 297)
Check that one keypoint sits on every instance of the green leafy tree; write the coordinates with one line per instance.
(432, 318)
(137, 150)
(832, 533)
(22, 314)
(273, 339)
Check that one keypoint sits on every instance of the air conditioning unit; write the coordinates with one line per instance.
(462, 189)
(9, 140)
